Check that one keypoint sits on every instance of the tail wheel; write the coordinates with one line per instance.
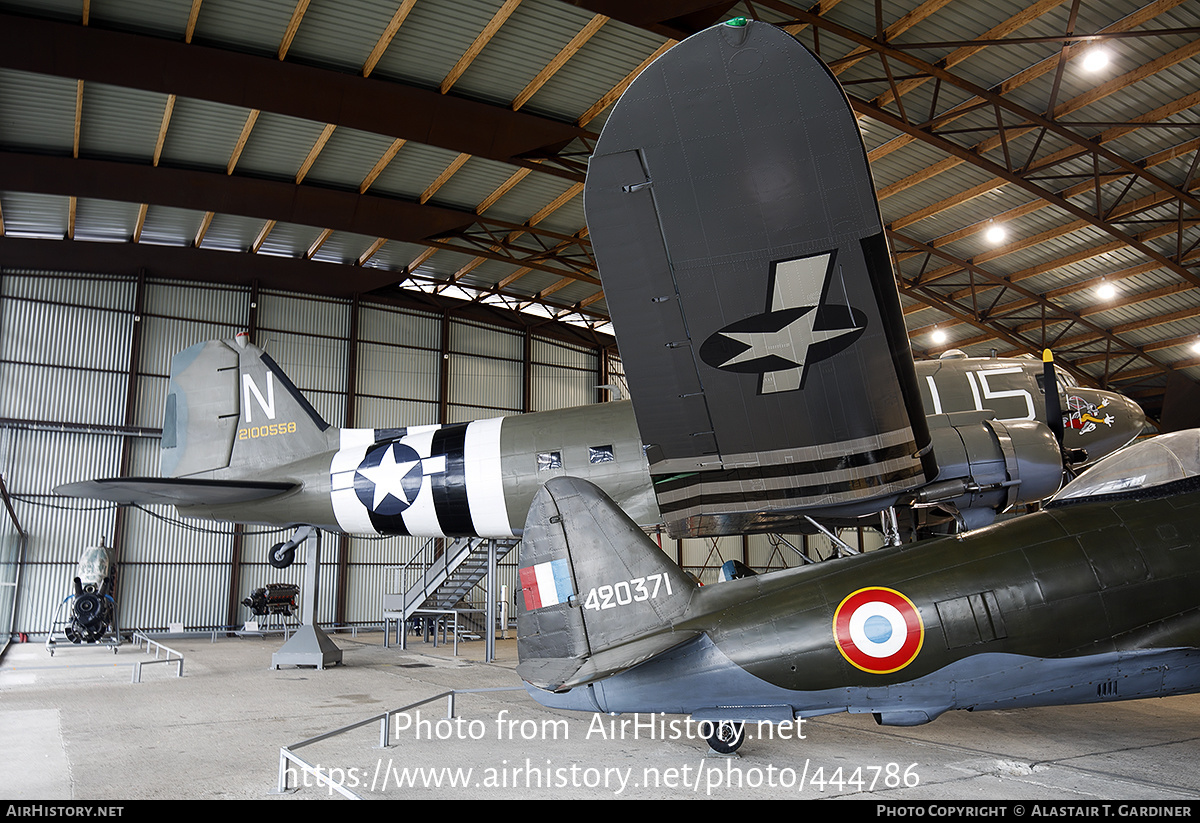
(727, 737)
(281, 558)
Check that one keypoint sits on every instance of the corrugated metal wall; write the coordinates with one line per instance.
(71, 345)
(12, 543)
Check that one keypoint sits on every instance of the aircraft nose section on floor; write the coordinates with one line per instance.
(1100, 421)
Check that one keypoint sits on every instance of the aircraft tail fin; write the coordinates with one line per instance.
(598, 596)
(231, 412)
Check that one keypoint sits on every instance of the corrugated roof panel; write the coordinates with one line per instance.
(231, 232)
(341, 34)
(105, 220)
(343, 247)
(605, 60)
(35, 215)
(166, 18)
(485, 273)
(348, 157)
(256, 27)
(571, 294)
(120, 122)
(567, 218)
(37, 111)
(171, 226)
(533, 282)
(55, 9)
(472, 183)
(442, 265)
(524, 45)
(426, 48)
(289, 240)
(278, 145)
(528, 197)
(413, 169)
(202, 134)
(395, 255)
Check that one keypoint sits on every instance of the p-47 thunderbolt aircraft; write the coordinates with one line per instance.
(737, 232)
(608, 623)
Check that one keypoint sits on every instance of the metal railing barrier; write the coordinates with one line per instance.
(287, 754)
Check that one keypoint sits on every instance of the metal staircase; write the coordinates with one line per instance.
(441, 575)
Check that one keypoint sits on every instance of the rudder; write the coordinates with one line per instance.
(597, 595)
(232, 412)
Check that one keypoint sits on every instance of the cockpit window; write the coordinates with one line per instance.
(1143, 466)
(1065, 378)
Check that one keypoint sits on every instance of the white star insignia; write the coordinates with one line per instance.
(798, 283)
(388, 477)
(790, 343)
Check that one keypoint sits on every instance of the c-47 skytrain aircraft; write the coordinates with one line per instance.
(736, 228)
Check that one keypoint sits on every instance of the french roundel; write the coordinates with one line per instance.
(878, 630)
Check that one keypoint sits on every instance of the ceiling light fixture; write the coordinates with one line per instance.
(939, 335)
(1096, 59)
(995, 233)
(1106, 290)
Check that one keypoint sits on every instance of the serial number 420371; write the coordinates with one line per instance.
(637, 590)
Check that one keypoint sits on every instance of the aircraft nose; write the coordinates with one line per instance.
(1100, 421)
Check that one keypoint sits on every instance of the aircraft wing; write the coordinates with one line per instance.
(738, 237)
(175, 492)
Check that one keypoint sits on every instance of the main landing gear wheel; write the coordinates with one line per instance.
(282, 555)
(727, 737)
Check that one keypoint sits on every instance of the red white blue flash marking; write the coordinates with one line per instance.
(546, 584)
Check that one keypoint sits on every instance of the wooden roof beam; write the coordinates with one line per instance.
(559, 60)
(385, 39)
(484, 37)
(311, 158)
(193, 16)
(262, 236)
(380, 165)
(240, 145)
(140, 223)
(289, 34)
(316, 244)
(162, 128)
(78, 117)
(285, 87)
(443, 178)
(611, 96)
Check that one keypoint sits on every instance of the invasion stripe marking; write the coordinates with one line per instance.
(485, 480)
(450, 486)
(830, 465)
(799, 495)
(859, 476)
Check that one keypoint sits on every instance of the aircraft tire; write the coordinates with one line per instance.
(727, 737)
(281, 559)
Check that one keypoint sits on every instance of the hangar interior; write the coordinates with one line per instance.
(387, 194)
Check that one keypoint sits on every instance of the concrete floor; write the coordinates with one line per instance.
(75, 728)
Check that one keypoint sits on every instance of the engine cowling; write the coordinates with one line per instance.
(987, 466)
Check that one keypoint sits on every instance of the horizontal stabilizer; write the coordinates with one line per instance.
(175, 492)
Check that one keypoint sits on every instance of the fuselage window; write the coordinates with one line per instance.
(600, 454)
(546, 461)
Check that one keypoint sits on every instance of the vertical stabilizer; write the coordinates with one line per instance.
(597, 595)
(231, 412)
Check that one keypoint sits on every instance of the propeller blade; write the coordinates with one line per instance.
(1053, 405)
